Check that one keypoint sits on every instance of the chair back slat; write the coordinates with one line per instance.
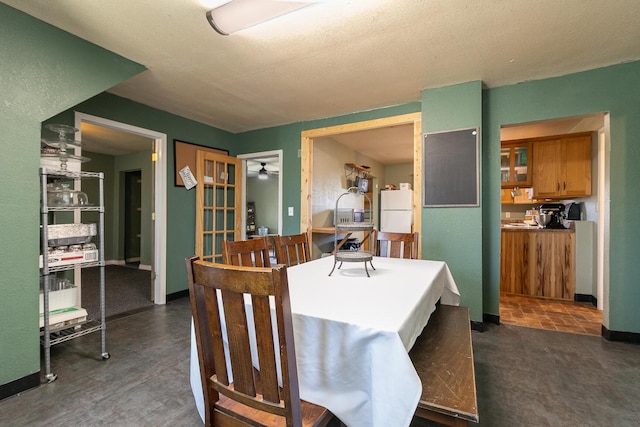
(397, 245)
(293, 249)
(239, 347)
(211, 319)
(252, 252)
(266, 354)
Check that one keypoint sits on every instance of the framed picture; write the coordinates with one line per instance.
(450, 168)
(184, 154)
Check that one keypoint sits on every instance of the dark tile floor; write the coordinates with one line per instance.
(524, 377)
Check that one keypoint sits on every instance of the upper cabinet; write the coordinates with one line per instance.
(562, 167)
(515, 164)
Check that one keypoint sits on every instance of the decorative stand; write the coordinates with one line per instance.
(351, 255)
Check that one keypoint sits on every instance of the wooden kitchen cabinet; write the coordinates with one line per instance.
(555, 265)
(538, 263)
(505, 196)
(562, 167)
(516, 261)
(515, 164)
(525, 197)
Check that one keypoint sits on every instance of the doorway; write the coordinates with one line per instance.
(262, 176)
(585, 314)
(158, 144)
(132, 217)
(414, 120)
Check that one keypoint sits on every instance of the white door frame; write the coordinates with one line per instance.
(250, 156)
(603, 225)
(160, 190)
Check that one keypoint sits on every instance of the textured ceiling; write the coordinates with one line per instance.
(112, 142)
(338, 57)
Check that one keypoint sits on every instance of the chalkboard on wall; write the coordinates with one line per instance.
(450, 168)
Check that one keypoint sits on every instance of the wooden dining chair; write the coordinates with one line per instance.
(244, 395)
(293, 249)
(252, 252)
(396, 245)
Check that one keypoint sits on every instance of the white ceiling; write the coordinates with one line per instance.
(99, 139)
(389, 145)
(341, 56)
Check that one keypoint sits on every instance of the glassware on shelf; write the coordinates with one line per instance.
(64, 158)
(59, 194)
(57, 147)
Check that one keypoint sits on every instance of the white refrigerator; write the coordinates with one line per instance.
(396, 211)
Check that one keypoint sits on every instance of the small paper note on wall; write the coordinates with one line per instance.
(188, 178)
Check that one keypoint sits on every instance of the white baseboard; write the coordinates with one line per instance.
(144, 267)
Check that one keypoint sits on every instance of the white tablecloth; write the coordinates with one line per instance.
(353, 334)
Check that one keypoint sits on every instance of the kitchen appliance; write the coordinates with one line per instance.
(349, 215)
(574, 211)
(396, 211)
(362, 184)
(543, 219)
(556, 211)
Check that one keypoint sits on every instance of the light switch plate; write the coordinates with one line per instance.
(290, 210)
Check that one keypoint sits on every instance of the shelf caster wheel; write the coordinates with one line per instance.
(105, 356)
(51, 377)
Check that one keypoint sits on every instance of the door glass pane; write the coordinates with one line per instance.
(207, 246)
(230, 219)
(220, 225)
(207, 223)
(208, 196)
(219, 240)
(208, 171)
(505, 164)
(219, 203)
(231, 197)
(220, 173)
(231, 174)
(520, 164)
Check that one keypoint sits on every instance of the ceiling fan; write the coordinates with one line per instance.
(263, 171)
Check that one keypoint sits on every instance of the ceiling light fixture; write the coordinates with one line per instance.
(262, 173)
(237, 15)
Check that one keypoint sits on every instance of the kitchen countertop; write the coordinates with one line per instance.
(511, 225)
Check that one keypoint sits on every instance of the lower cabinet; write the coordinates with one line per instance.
(538, 263)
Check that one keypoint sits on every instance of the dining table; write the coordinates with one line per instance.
(353, 333)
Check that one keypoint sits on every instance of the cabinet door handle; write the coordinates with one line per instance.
(564, 185)
(557, 186)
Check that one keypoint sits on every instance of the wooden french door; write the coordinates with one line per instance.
(218, 200)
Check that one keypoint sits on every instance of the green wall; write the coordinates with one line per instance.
(614, 89)
(43, 70)
(287, 138)
(454, 234)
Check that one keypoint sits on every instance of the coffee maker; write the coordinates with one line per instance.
(557, 212)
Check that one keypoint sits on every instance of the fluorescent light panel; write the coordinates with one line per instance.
(240, 14)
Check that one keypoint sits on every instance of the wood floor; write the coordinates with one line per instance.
(557, 315)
